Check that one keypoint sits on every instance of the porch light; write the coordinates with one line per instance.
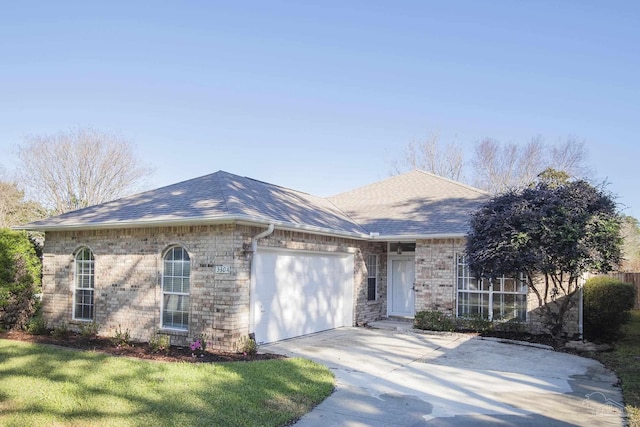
(399, 248)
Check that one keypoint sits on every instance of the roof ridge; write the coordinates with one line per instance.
(452, 181)
(222, 189)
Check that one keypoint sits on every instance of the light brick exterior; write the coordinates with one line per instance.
(128, 277)
(436, 274)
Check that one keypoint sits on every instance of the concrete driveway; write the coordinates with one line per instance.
(393, 376)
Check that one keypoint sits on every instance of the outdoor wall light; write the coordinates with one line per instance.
(399, 248)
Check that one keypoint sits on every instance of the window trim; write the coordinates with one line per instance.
(173, 327)
(488, 287)
(80, 273)
(372, 275)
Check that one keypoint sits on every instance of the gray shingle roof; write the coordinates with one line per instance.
(216, 197)
(414, 203)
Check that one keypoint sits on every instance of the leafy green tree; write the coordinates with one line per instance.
(20, 270)
(14, 209)
(553, 232)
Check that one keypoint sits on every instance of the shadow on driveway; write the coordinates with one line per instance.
(404, 378)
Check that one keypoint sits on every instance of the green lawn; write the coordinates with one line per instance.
(43, 385)
(625, 361)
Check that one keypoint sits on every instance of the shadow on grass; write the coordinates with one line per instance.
(41, 385)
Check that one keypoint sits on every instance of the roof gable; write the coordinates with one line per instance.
(414, 203)
(215, 197)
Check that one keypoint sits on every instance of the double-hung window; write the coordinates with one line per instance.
(372, 277)
(175, 288)
(502, 298)
(83, 285)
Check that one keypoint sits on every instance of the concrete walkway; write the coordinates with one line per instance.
(389, 375)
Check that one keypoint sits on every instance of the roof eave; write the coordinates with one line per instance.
(226, 219)
(412, 237)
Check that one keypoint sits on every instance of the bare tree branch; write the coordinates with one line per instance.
(500, 167)
(79, 168)
(430, 156)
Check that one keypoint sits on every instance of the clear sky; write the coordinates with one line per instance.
(321, 95)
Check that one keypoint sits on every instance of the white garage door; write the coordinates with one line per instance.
(298, 293)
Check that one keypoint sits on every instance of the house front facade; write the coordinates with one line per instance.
(225, 257)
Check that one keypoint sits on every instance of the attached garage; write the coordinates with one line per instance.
(297, 293)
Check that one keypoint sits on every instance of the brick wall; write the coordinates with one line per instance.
(435, 274)
(128, 270)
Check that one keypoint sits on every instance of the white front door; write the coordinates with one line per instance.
(402, 279)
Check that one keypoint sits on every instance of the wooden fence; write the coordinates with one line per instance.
(633, 278)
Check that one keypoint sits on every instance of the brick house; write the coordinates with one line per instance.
(228, 256)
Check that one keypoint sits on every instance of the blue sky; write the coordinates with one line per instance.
(322, 96)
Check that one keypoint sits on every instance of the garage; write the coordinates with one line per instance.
(297, 293)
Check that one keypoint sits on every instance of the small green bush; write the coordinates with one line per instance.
(61, 331)
(433, 320)
(607, 305)
(89, 330)
(159, 342)
(121, 338)
(36, 325)
(247, 345)
(474, 324)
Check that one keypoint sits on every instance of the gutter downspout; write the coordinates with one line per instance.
(253, 307)
(265, 233)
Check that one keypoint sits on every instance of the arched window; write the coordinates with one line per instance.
(84, 285)
(176, 274)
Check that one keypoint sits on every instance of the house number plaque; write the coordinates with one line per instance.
(223, 269)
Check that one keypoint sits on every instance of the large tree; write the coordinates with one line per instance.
(79, 168)
(553, 232)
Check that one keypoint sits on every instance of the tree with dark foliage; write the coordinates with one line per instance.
(552, 232)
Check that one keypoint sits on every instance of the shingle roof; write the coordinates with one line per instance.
(216, 197)
(414, 203)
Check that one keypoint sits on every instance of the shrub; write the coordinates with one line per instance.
(121, 338)
(248, 346)
(433, 320)
(19, 279)
(89, 330)
(607, 305)
(199, 346)
(36, 325)
(474, 323)
(60, 331)
(159, 342)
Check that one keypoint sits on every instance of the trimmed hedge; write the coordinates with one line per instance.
(607, 306)
(20, 270)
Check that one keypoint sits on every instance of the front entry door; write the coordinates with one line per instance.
(401, 301)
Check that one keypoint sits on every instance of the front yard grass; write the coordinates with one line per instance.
(624, 360)
(44, 385)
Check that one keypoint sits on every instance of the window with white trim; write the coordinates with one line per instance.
(499, 299)
(84, 282)
(176, 273)
(372, 277)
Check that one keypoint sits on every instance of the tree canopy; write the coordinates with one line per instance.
(14, 209)
(556, 229)
(79, 168)
(19, 278)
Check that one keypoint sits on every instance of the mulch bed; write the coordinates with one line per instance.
(137, 350)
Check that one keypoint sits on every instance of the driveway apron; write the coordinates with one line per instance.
(397, 377)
